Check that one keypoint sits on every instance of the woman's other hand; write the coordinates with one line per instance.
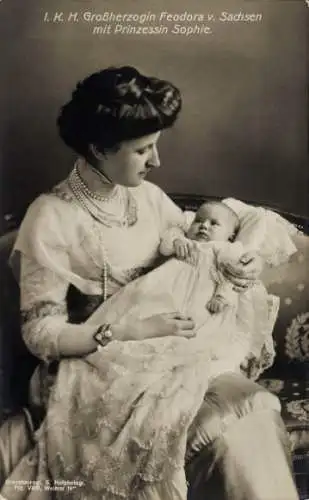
(168, 324)
(158, 325)
(186, 250)
(244, 273)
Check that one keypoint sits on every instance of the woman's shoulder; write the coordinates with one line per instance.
(147, 186)
(150, 190)
(47, 205)
(48, 213)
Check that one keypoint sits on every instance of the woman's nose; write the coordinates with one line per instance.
(154, 159)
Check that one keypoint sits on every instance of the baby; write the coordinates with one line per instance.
(195, 285)
(214, 222)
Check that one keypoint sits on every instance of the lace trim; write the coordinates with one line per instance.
(41, 310)
(118, 447)
(63, 194)
(254, 366)
(105, 473)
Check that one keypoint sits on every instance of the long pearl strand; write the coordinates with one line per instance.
(83, 194)
(104, 276)
(80, 199)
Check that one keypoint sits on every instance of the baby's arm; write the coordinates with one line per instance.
(175, 242)
(224, 293)
(171, 235)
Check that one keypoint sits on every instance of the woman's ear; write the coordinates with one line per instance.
(98, 155)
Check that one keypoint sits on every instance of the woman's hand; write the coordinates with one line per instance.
(244, 273)
(168, 324)
(159, 325)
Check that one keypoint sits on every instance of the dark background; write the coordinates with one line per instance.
(243, 131)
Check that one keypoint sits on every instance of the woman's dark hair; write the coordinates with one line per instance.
(114, 105)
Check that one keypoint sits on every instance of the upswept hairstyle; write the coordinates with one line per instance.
(114, 105)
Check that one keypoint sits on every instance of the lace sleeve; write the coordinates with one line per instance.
(44, 313)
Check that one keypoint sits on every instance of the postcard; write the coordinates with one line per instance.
(135, 130)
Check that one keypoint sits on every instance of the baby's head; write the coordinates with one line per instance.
(214, 221)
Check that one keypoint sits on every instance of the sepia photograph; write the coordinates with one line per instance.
(154, 250)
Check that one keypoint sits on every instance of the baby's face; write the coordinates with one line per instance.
(211, 223)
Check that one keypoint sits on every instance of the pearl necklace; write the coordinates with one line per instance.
(126, 201)
(79, 181)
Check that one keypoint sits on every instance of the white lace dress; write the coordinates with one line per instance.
(139, 454)
(61, 244)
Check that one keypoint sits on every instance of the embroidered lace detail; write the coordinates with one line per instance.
(42, 310)
(64, 194)
(254, 366)
(126, 276)
(40, 341)
(118, 446)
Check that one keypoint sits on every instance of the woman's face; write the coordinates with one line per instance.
(130, 164)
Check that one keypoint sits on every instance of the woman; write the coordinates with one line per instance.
(94, 233)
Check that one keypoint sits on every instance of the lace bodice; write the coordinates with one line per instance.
(59, 244)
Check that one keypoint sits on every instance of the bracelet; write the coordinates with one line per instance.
(103, 335)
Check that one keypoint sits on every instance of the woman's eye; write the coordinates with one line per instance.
(144, 150)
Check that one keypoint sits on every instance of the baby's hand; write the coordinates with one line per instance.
(216, 304)
(186, 250)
